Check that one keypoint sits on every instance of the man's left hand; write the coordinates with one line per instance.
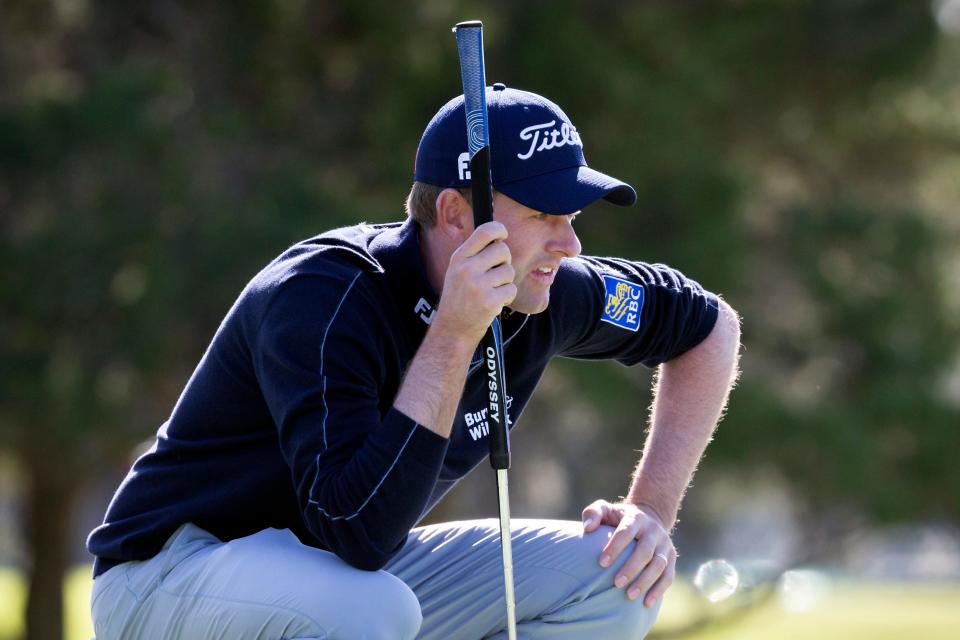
(651, 567)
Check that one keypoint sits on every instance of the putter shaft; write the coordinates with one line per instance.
(506, 546)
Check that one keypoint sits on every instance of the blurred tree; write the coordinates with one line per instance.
(154, 155)
(139, 192)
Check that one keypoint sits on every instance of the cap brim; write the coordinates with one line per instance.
(568, 190)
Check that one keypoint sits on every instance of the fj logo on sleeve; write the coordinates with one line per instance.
(425, 311)
(624, 301)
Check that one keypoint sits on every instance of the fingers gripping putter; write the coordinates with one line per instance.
(470, 47)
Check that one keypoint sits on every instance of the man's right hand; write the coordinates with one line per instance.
(478, 284)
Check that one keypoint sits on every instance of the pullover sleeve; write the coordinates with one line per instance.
(362, 471)
(633, 312)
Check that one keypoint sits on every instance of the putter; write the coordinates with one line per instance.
(470, 47)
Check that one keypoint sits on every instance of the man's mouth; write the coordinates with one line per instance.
(544, 274)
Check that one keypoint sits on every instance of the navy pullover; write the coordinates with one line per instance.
(288, 420)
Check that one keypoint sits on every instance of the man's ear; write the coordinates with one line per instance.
(454, 215)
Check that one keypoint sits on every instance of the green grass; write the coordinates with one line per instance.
(848, 611)
(76, 604)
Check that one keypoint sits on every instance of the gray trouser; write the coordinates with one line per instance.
(446, 583)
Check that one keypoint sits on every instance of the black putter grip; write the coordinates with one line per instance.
(482, 189)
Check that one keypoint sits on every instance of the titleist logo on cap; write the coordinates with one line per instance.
(566, 134)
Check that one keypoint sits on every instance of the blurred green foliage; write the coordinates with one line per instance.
(154, 155)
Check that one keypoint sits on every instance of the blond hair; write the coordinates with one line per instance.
(421, 202)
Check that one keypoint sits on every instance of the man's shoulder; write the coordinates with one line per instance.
(335, 255)
(585, 271)
(600, 269)
(323, 266)
(345, 249)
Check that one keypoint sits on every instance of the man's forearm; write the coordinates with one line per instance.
(433, 385)
(689, 399)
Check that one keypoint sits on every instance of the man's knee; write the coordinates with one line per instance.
(399, 610)
(390, 610)
(632, 615)
(590, 545)
(624, 617)
(623, 613)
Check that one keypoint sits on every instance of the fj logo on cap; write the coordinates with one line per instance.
(624, 301)
(463, 165)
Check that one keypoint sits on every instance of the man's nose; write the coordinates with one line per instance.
(565, 240)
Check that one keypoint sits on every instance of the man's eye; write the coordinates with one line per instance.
(541, 216)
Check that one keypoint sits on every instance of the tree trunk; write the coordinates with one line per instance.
(51, 489)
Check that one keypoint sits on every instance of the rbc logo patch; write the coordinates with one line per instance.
(623, 303)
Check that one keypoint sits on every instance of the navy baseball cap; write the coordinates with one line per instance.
(536, 155)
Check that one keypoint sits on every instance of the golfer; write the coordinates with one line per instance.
(342, 397)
